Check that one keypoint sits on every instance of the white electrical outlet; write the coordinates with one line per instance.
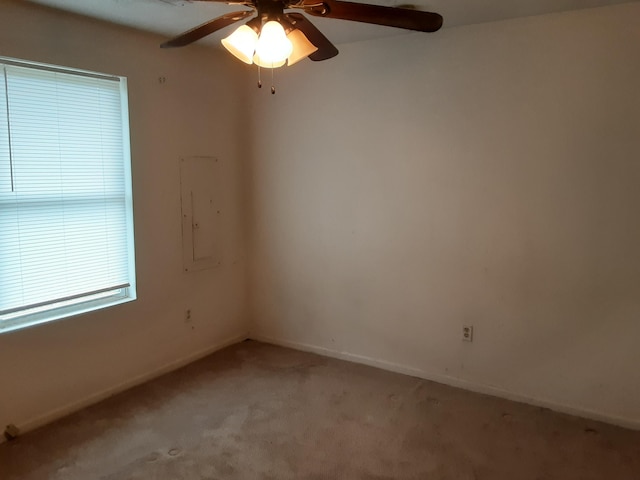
(467, 333)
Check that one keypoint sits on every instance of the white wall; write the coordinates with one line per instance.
(485, 175)
(51, 369)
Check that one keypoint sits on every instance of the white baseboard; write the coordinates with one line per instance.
(65, 410)
(630, 423)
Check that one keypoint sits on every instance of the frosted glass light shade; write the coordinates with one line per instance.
(242, 43)
(261, 63)
(273, 47)
(302, 47)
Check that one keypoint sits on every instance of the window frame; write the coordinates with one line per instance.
(87, 302)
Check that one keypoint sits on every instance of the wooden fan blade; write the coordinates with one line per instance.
(326, 49)
(379, 15)
(205, 29)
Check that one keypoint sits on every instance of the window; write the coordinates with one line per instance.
(66, 222)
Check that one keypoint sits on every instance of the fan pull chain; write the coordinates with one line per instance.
(273, 88)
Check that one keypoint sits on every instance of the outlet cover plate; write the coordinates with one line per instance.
(467, 333)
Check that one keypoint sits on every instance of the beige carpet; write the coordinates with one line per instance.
(255, 411)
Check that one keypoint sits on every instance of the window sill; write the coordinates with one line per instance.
(61, 313)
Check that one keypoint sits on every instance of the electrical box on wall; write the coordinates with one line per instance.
(201, 210)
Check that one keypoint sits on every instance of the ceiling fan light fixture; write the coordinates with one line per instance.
(302, 47)
(273, 47)
(242, 43)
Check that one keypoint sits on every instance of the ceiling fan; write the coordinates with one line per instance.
(275, 36)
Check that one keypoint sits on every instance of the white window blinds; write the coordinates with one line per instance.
(65, 205)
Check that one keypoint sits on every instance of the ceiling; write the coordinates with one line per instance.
(171, 17)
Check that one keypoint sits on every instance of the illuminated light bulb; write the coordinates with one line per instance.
(273, 47)
(242, 43)
(302, 47)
